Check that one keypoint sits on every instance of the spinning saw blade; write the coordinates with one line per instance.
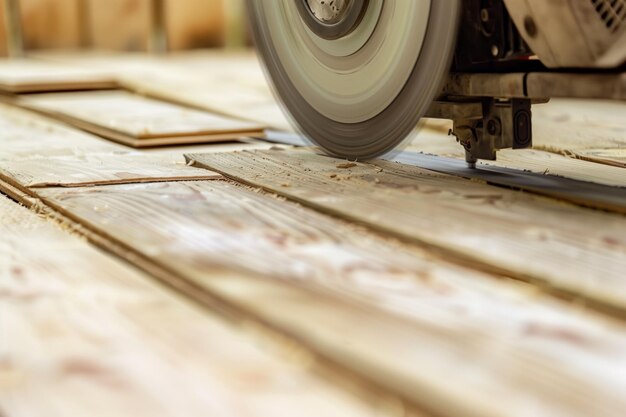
(356, 75)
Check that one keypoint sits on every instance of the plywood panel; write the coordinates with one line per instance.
(139, 121)
(594, 166)
(582, 193)
(90, 170)
(568, 124)
(386, 312)
(230, 83)
(549, 163)
(85, 334)
(29, 75)
(576, 250)
(613, 157)
(227, 83)
(242, 144)
(28, 135)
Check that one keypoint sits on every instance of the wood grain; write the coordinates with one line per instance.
(592, 166)
(89, 170)
(576, 250)
(584, 194)
(227, 93)
(229, 83)
(38, 152)
(241, 144)
(599, 166)
(614, 157)
(571, 124)
(27, 135)
(384, 311)
(85, 334)
(30, 75)
(548, 163)
(138, 121)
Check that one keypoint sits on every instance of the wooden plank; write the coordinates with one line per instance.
(613, 157)
(564, 130)
(28, 135)
(86, 334)
(569, 126)
(226, 94)
(431, 137)
(589, 165)
(138, 121)
(229, 83)
(241, 144)
(38, 152)
(585, 194)
(92, 170)
(17, 194)
(598, 166)
(319, 280)
(29, 75)
(571, 249)
(548, 163)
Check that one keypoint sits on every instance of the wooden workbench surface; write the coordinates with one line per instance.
(255, 279)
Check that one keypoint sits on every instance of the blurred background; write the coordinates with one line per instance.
(122, 25)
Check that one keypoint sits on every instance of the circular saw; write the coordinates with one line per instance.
(356, 75)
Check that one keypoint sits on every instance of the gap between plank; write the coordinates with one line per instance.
(441, 252)
(331, 370)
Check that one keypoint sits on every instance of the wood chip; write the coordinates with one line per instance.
(346, 165)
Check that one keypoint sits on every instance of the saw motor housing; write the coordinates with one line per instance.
(530, 38)
(573, 33)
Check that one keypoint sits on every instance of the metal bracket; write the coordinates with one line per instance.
(485, 127)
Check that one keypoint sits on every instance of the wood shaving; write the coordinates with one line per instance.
(346, 165)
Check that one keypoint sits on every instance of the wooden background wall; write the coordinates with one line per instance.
(119, 24)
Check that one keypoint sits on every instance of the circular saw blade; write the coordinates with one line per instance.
(360, 95)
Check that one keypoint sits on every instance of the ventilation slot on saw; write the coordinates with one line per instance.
(612, 12)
